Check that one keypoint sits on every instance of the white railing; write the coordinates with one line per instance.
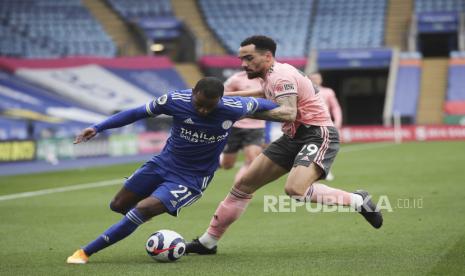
(391, 86)
(397, 127)
(312, 62)
(462, 31)
(412, 35)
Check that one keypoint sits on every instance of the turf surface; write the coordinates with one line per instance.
(38, 233)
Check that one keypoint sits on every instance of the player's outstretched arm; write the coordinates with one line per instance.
(118, 120)
(246, 93)
(286, 112)
(85, 135)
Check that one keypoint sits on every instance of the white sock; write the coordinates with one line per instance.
(356, 201)
(208, 240)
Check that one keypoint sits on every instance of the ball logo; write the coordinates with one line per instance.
(165, 246)
(227, 124)
(162, 100)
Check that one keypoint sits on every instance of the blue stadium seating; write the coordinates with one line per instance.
(456, 87)
(288, 22)
(439, 6)
(407, 90)
(327, 24)
(340, 24)
(48, 28)
(141, 8)
(154, 18)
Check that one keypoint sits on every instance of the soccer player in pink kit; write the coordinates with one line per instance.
(247, 134)
(306, 150)
(329, 98)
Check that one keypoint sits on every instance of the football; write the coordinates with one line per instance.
(165, 246)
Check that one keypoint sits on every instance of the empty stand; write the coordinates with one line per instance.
(288, 22)
(439, 5)
(142, 8)
(120, 32)
(454, 107)
(348, 24)
(48, 28)
(407, 89)
(188, 11)
(438, 26)
(153, 18)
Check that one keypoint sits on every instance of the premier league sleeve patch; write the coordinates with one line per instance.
(227, 124)
(162, 100)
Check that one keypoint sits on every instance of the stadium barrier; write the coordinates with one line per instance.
(63, 148)
(54, 149)
(17, 150)
(359, 134)
(150, 142)
(153, 142)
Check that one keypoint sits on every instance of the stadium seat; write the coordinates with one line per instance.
(232, 21)
(439, 6)
(56, 25)
(407, 89)
(154, 18)
(348, 24)
(455, 98)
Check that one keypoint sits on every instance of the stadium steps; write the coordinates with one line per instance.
(125, 39)
(188, 11)
(189, 72)
(433, 90)
(398, 18)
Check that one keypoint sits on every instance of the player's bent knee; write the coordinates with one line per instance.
(117, 207)
(292, 191)
(227, 165)
(151, 207)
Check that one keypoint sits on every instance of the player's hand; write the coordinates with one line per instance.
(85, 135)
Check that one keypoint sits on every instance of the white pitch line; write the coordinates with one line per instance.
(93, 185)
(62, 189)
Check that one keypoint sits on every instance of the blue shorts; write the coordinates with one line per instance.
(175, 190)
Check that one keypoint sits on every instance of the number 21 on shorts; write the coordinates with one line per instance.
(181, 194)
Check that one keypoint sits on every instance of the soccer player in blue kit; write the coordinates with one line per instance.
(176, 178)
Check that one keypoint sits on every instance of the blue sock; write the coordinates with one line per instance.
(117, 232)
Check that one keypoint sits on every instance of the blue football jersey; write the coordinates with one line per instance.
(196, 142)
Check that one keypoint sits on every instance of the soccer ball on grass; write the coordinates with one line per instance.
(165, 246)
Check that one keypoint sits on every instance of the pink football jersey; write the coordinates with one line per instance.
(283, 79)
(240, 82)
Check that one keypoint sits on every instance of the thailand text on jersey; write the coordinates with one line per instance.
(196, 142)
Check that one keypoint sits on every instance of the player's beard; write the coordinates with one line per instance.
(252, 74)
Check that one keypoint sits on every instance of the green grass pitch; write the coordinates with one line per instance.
(38, 233)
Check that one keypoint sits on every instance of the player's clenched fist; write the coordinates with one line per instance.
(85, 135)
